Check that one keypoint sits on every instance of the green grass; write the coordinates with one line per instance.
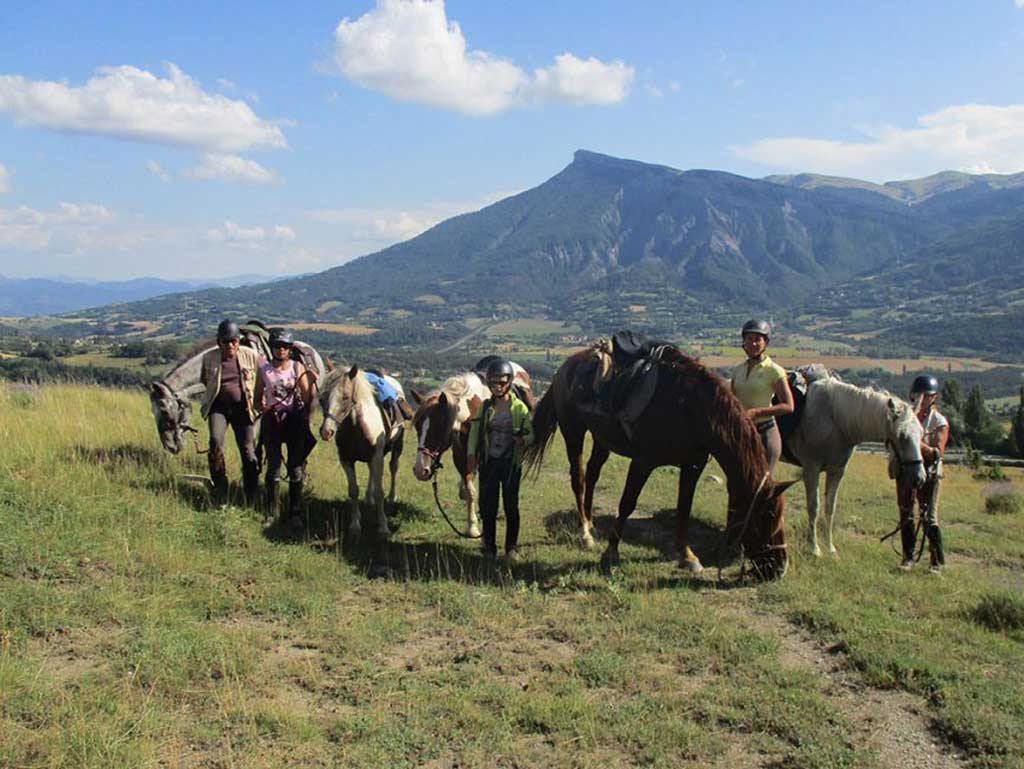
(140, 628)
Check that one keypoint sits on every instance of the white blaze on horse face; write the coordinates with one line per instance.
(422, 467)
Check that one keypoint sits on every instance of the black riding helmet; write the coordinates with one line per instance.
(753, 326)
(228, 330)
(500, 368)
(926, 384)
(281, 337)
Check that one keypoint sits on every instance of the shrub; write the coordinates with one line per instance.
(1000, 612)
(1004, 502)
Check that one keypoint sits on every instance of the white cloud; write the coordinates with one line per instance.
(410, 51)
(232, 168)
(653, 91)
(158, 171)
(1019, 3)
(960, 137)
(236, 236)
(132, 103)
(5, 179)
(27, 229)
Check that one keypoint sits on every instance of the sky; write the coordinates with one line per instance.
(205, 140)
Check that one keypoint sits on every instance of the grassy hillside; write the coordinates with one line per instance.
(139, 628)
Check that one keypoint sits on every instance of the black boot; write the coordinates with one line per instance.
(938, 557)
(219, 476)
(251, 484)
(273, 501)
(908, 535)
(295, 508)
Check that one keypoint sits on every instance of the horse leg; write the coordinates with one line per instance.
(467, 490)
(688, 477)
(355, 523)
(811, 473)
(574, 451)
(396, 456)
(598, 456)
(833, 477)
(376, 492)
(637, 476)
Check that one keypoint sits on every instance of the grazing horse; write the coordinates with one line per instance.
(691, 415)
(442, 422)
(169, 396)
(354, 418)
(837, 416)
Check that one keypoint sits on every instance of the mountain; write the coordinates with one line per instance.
(23, 297)
(608, 242)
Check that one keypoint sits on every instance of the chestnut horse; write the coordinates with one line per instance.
(691, 416)
(442, 422)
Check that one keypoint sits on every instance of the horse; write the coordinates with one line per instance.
(353, 417)
(691, 416)
(169, 396)
(442, 422)
(837, 416)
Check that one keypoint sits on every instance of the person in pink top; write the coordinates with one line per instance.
(284, 392)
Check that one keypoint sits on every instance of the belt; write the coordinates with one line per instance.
(764, 427)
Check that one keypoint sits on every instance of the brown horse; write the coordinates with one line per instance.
(691, 416)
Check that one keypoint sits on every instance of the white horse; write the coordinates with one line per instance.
(442, 422)
(837, 416)
(169, 396)
(353, 417)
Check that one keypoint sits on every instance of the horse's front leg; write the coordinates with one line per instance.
(355, 524)
(833, 478)
(637, 476)
(598, 456)
(467, 491)
(810, 474)
(376, 492)
(688, 477)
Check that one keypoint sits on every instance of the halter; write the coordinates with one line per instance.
(435, 460)
(768, 547)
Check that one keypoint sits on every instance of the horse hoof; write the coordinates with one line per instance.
(474, 532)
(610, 559)
(691, 567)
(587, 541)
(816, 551)
(378, 571)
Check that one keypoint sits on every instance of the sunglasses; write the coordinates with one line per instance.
(498, 383)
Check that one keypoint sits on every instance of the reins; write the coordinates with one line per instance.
(435, 465)
(743, 531)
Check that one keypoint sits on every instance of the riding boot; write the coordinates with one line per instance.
(273, 500)
(251, 484)
(295, 507)
(938, 557)
(908, 535)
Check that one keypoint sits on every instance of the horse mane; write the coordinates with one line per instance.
(724, 413)
(457, 387)
(866, 398)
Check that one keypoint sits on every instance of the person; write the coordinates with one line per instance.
(497, 437)
(285, 391)
(229, 375)
(924, 393)
(756, 381)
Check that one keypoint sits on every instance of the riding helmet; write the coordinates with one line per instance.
(925, 384)
(281, 337)
(227, 330)
(761, 327)
(500, 368)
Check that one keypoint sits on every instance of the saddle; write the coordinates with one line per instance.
(800, 379)
(621, 377)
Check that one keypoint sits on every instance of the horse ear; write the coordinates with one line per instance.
(353, 371)
(893, 408)
(780, 489)
(417, 399)
(442, 399)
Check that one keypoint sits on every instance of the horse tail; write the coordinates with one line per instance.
(545, 424)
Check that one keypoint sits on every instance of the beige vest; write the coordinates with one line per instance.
(248, 364)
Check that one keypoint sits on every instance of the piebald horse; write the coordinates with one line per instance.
(353, 417)
(691, 416)
(442, 422)
(837, 416)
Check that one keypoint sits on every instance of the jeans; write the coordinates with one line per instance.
(500, 475)
(237, 416)
(291, 431)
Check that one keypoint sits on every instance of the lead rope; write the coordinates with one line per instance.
(435, 465)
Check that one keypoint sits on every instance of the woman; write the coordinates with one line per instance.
(229, 374)
(924, 394)
(285, 390)
(756, 381)
(497, 437)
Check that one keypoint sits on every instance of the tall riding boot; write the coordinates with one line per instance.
(273, 500)
(295, 507)
(938, 557)
(251, 484)
(908, 536)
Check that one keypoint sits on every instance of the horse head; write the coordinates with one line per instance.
(172, 414)
(435, 427)
(337, 400)
(903, 436)
(761, 529)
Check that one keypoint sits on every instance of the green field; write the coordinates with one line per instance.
(139, 628)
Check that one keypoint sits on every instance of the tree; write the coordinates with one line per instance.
(980, 426)
(951, 401)
(1017, 427)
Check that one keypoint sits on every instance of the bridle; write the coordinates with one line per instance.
(765, 549)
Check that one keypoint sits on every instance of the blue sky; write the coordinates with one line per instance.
(204, 140)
